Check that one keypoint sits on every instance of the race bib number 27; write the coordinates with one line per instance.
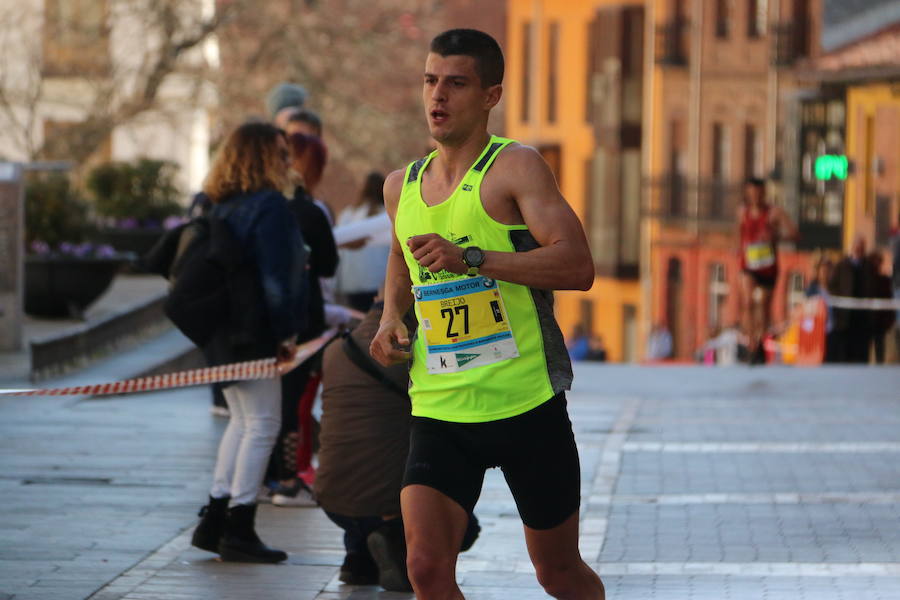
(464, 323)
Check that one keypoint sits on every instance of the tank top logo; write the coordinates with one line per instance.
(443, 275)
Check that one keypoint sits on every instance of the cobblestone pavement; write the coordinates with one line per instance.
(697, 483)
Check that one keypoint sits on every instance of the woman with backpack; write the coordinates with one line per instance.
(266, 312)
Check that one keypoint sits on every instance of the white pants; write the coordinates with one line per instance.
(255, 408)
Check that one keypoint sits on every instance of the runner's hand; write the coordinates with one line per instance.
(435, 253)
(390, 345)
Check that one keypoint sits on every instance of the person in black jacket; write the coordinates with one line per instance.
(244, 185)
(853, 277)
(292, 457)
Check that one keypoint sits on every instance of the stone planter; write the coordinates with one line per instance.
(63, 286)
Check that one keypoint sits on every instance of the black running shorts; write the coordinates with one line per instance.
(535, 450)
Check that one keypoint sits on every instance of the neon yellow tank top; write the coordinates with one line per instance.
(484, 349)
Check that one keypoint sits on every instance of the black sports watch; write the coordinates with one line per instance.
(473, 256)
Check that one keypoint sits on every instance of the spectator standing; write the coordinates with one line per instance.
(819, 287)
(596, 348)
(853, 277)
(284, 100)
(895, 280)
(244, 185)
(882, 320)
(292, 456)
(579, 344)
(304, 121)
(363, 262)
(659, 344)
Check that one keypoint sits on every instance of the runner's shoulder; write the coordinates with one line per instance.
(518, 162)
(393, 185)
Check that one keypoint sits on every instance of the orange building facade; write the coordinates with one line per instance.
(574, 91)
(652, 113)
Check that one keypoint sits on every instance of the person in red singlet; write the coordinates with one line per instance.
(760, 227)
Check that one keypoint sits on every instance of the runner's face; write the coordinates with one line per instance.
(455, 102)
(753, 195)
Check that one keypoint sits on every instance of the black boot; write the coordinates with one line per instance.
(240, 542)
(358, 569)
(387, 544)
(211, 527)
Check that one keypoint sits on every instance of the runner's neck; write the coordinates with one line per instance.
(452, 162)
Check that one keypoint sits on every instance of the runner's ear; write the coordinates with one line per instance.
(492, 96)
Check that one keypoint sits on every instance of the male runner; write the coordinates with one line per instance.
(483, 234)
(760, 226)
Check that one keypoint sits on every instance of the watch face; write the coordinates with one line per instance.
(473, 256)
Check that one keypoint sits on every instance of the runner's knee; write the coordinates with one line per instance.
(558, 580)
(428, 570)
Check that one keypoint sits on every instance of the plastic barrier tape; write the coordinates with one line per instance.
(264, 368)
(863, 303)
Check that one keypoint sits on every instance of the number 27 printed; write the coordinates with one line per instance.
(450, 313)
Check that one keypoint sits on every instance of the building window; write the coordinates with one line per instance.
(723, 19)
(525, 113)
(718, 293)
(719, 186)
(796, 290)
(756, 18)
(75, 38)
(752, 152)
(552, 70)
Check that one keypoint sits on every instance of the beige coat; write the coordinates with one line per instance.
(365, 432)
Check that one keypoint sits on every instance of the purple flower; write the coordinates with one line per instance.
(129, 223)
(83, 250)
(105, 251)
(66, 248)
(173, 222)
(39, 247)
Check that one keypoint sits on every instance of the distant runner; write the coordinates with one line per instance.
(760, 227)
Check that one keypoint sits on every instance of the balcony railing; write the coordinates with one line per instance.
(667, 197)
(672, 42)
(717, 201)
(674, 198)
(789, 42)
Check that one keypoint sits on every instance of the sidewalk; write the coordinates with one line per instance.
(698, 483)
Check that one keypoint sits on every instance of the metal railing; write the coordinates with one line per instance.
(673, 198)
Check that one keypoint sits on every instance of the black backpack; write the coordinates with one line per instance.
(204, 262)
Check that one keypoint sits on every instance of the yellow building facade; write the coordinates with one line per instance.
(567, 96)
(872, 199)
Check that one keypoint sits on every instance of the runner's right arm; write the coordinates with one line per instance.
(397, 289)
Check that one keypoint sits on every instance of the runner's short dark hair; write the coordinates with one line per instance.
(756, 182)
(477, 44)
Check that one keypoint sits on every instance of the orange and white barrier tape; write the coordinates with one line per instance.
(863, 303)
(264, 368)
